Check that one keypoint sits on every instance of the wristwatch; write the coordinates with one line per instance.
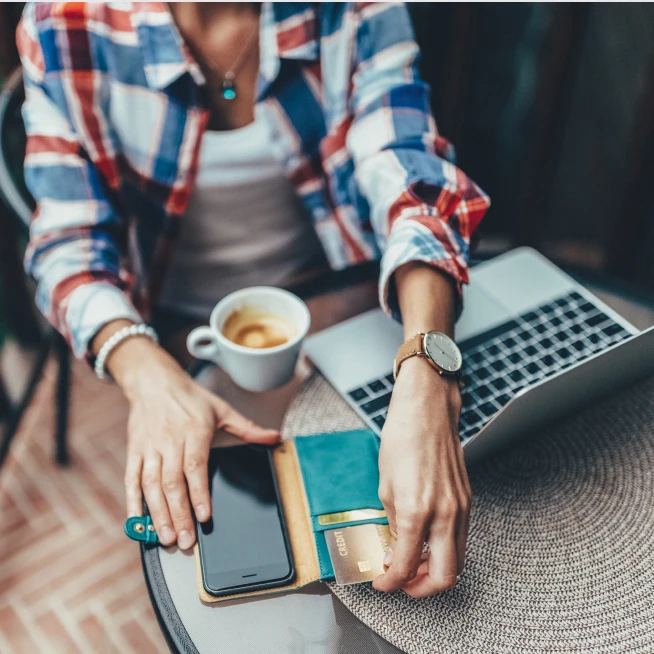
(439, 349)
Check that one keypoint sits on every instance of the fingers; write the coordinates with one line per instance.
(388, 557)
(196, 460)
(406, 555)
(173, 484)
(133, 495)
(167, 477)
(235, 423)
(389, 506)
(463, 522)
(438, 569)
(154, 496)
(441, 571)
(461, 541)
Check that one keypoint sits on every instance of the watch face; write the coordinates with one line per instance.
(443, 351)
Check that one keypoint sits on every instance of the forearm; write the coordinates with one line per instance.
(427, 299)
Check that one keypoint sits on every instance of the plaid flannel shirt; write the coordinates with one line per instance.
(114, 118)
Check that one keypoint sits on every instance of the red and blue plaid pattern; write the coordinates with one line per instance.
(114, 120)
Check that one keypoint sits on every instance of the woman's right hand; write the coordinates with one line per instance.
(172, 421)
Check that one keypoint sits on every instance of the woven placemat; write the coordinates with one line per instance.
(561, 547)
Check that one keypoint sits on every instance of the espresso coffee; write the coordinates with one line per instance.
(257, 328)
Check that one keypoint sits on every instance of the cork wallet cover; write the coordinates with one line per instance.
(318, 475)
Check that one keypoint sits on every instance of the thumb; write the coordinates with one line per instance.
(236, 423)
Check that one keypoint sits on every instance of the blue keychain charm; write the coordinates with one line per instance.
(141, 528)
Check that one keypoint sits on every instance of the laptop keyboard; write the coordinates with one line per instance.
(501, 362)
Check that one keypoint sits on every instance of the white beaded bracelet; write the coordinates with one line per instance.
(120, 336)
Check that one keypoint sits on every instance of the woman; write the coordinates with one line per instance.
(284, 134)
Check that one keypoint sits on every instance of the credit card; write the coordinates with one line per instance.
(350, 516)
(357, 553)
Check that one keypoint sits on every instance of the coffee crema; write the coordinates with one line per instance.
(257, 328)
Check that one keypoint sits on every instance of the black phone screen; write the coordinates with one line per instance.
(244, 544)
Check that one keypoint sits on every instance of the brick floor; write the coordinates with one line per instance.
(70, 581)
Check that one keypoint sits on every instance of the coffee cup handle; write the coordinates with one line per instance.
(202, 344)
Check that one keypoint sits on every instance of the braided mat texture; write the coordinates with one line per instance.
(561, 546)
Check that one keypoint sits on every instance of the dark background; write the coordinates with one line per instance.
(551, 110)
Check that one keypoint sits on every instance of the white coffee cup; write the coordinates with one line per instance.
(254, 369)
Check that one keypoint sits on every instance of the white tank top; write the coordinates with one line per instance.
(244, 225)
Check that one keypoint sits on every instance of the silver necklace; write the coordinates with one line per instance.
(228, 86)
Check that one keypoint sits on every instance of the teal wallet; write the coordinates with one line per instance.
(317, 476)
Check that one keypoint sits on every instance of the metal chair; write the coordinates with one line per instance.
(29, 330)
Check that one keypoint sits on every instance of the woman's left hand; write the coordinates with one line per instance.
(423, 482)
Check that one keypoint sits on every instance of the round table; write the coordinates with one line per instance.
(312, 620)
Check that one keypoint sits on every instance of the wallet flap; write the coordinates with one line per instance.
(340, 471)
(298, 523)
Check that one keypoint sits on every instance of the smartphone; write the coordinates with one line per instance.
(244, 546)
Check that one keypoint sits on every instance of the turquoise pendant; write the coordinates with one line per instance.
(229, 89)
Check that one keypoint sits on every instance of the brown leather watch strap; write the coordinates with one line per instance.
(412, 347)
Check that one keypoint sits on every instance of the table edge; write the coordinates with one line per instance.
(170, 623)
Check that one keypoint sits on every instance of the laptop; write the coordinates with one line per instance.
(535, 343)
